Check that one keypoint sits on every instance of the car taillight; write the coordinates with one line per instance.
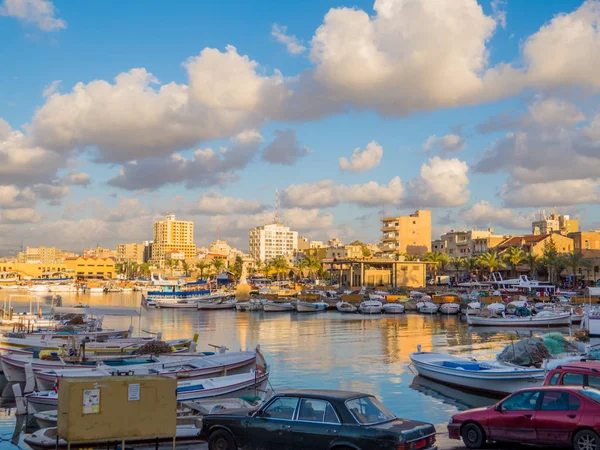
(416, 445)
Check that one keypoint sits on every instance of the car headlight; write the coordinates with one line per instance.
(401, 439)
(199, 423)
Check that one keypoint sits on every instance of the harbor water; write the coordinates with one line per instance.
(328, 350)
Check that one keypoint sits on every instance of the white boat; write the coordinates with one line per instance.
(472, 308)
(302, 307)
(96, 290)
(497, 308)
(220, 304)
(270, 306)
(62, 287)
(346, 307)
(473, 375)
(39, 289)
(370, 307)
(177, 304)
(394, 308)
(46, 419)
(449, 308)
(427, 308)
(542, 319)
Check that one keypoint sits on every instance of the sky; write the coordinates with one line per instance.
(113, 114)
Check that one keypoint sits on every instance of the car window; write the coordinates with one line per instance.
(559, 401)
(594, 381)
(522, 401)
(281, 408)
(572, 379)
(554, 379)
(312, 410)
(330, 415)
(368, 411)
(593, 394)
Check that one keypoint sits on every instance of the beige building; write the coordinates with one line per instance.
(587, 242)
(130, 253)
(172, 235)
(378, 272)
(345, 252)
(99, 252)
(270, 241)
(221, 248)
(537, 243)
(466, 243)
(43, 255)
(407, 234)
(554, 223)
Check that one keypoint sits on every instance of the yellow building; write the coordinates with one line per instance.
(587, 242)
(98, 252)
(172, 235)
(378, 272)
(407, 234)
(345, 252)
(43, 255)
(554, 223)
(98, 268)
(466, 243)
(536, 244)
(130, 253)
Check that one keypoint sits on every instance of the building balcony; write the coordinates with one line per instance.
(390, 238)
(389, 227)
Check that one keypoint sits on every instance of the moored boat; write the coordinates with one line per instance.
(370, 307)
(449, 308)
(303, 307)
(542, 319)
(271, 306)
(346, 307)
(219, 304)
(394, 308)
(427, 307)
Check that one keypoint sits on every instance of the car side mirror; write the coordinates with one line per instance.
(499, 407)
(258, 413)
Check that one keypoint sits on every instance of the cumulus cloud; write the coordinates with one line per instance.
(365, 160)
(214, 203)
(554, 111)
(294, 47)
(326, 193)
(498, 11)
(74, 178)
(40, 13)
(51, 88)
(53, 192)
(15, 197)
(552, 193)
(19, 216)
(206, 167)
(441, 182)
(447, 144)
(285, 148)
(483, 215)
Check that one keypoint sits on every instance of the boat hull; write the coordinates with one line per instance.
(278, 307)
(449, 308)
(303, 307)
(346, 307)
(394, 309)
(563, 320)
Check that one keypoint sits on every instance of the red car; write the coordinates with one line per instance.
(551, 415)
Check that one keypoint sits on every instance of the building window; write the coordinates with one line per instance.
(586, 244)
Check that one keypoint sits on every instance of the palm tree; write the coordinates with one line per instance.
(170, 263)
(218, 264)
(514, 256)
(471, 263)
(281, 265)
(258, 264)
(268, 268)
(186, 267)
(491, 260)
(411, 257)
(574, 260)
(457, 262)
(550, 259)
(312, 264)
(438, 260)
(202, 266)
(532, 262)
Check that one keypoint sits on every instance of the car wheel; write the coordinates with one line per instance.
(473, 435)
(586, 440)
(221, 440)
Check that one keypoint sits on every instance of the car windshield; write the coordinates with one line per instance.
(591, 393)
(368, 411)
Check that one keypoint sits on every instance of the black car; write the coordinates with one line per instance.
(316, 419)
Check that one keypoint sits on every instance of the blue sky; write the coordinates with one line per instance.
(482, 111)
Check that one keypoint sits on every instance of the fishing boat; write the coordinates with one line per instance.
(271, 306)
(96, 290)
(176, 290)
(219, 304)
(427, 307)
(472, 308)
(542, 319)
(251, 305)
(176, 303)
(370, 307)
(473, 375)
(303, 307)
(394, 308)
(346, 307)
(449, 308)
(496, 307)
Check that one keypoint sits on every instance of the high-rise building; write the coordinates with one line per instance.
(41, 255)
(554, 223)
(130, 253)
(173, 235)
(407, 234)
(269, 241)
(98, 252)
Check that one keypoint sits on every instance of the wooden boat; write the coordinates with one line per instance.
(346, 307)
(219, 304)
(542, 319)
(394, 308)
(427, 308)
(370, 307)
(449, 308)
(271, 306)
(303, 307)
(472, 375)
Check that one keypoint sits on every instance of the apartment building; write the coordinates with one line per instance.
(406, 234)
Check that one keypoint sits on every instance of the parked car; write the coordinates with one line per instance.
(316, 419)
(552, 415)
(584, 373)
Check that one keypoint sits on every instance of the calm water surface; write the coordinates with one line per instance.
(323, 351)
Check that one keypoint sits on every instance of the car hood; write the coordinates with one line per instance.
(238, 412)
(410, 429)
(469, 413)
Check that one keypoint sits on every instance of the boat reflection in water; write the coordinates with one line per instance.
(460, 399)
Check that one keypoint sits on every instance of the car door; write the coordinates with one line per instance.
(557, 417)
(271, 427)
(513, 420)
(317, 425)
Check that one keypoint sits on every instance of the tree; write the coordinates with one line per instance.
(514, 256)
(218, 264)
(170, 263)
(268, 268)
(237, 267)
(202, 266)
(145, 269)
(411, 257)
(457, 262)
(365, 250)
(281, 265)
(573, 260)
(550, 259)
(471, 264)
(532, 262)
(491, 260)
(186, 267)
(438, 261)
(311, 264)
(258, 264)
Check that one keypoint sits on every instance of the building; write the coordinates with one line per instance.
(303, 243)
(41, 255)
(466, 243)
(554, 223)
(537, 243)
(91, 268)
(377, 272)
(221, 248)
(587, 242)
(270, 241)
(407, 234)
(130, 253)
(148, 251)
(335, 242)
(99, 252)
(173, 235)
(345, 252)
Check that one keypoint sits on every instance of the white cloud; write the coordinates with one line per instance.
(279, 32)
(285, 149)
(51, 88)
(552, 193)
(326, 193)
(555, 112)
(19, 215)
(215, 203)
(14, 197)
(442, 182)
(40, 13)
(483, 215)
(365, 160)
(499, 12)
(74, 178)
(447, 144)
